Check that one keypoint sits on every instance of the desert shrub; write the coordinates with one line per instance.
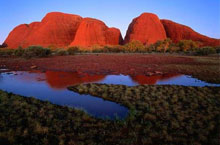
(206, 51)
(217, 49)
(19, 51)
(95, 49)
(162, 45)
(134, 46)
(116, 49)
(6, 52)
(149, 48)
(36, 51)
(61, 52)
(173, 48)
(73, 50)
(187, 45)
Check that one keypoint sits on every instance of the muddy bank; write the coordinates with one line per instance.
(204, 68)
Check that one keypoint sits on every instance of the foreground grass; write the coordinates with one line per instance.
(165, 114)
(158, 115)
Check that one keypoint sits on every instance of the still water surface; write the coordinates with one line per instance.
(51, 86)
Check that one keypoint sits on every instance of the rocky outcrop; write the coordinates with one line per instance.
(59, 30)
(146, 28)
(63, 30)
(56, 29)
(177, 32)
(95, 32)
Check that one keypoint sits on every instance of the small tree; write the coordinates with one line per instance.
(134, 46)
(73, 50)
(206, 50)
(186, 45)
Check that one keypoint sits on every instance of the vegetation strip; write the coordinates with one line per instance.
(158, 115)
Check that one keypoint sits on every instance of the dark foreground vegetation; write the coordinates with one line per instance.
(158, 115)
(166, 46)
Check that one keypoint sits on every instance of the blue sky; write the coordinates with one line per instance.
(202, 15)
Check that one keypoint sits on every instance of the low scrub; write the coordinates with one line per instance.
(73, 50)
(162, 46)
(36, 51)
(6, 52)
(206, 51)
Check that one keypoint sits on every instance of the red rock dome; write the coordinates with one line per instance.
(95, 32)
(57, 29)
(17, 36)
(146, 28)
(177, 32)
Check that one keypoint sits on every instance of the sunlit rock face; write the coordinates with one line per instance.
(95, 32)
(63, 30)
(60, 30)
(146, 28)
(56, 29)
(179, 32)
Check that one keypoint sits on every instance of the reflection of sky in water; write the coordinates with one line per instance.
(29, 86)
(185, 80)
(51, 86)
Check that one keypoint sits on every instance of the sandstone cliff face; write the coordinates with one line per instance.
(57, 29)
(95, 32)
(177, 32)
(146, 28)
(17, 36)
(63, 30)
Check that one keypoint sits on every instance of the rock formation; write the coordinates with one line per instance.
(56, 29)
(177, 32)
(95, 32)
(146, 28)
(63, 30)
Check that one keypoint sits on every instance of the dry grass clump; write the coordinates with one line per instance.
(167, 114)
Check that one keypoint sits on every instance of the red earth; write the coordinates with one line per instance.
(130, 64)
(205, 68)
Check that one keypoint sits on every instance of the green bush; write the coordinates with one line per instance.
(114, 49)
(187, 45)
(73, 50)
(206, 51)
(163, 45)
(134, 46)
(217, 49)
(36, 51)
(19, 52)
(6, 52)
(61, 52)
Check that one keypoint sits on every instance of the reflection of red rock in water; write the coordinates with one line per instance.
(151, 80)
(61, 80)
